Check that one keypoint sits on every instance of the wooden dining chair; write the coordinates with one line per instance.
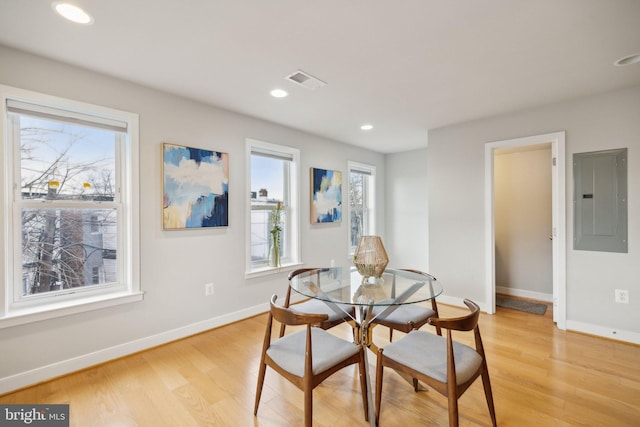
(337, 313)
(447, 366)
(407, 317)
(307, 357)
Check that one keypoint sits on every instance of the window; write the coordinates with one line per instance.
(361, 202)
(69, 186)
(273, 171)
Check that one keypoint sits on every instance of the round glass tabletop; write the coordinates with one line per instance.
(347, 286)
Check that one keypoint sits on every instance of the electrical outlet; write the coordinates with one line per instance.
(622, 296)
(208, 289)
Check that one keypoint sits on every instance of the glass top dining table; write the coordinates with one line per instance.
(340, 285)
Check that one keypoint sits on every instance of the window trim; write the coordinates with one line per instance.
(282, 151)
(365, 169)
(129, 289)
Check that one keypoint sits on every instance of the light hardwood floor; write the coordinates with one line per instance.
(541, 376)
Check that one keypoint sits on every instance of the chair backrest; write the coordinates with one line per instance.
(287, 298)
(467, 322)
(294, 273)
(411, 270)
(287, 317)
(434, 304)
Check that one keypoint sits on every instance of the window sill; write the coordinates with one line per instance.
(266, 271)
(50, 311)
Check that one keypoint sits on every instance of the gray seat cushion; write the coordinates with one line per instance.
(327, 351)
(315, 306)
(427, 354)
(405, 314)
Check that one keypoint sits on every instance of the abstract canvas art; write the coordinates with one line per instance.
(326, 196)
(195, 188)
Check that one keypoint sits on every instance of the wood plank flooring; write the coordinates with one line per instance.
(541, 376)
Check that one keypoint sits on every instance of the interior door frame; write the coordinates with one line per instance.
(558, 207)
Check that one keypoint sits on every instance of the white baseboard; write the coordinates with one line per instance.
(34, 376)
(522, 293)
(602, 331)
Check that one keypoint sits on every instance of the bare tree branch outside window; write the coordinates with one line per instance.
(68, 232)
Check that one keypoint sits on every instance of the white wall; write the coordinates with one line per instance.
(175, 265)
(455, 168)
(522, 215)
(407, 233)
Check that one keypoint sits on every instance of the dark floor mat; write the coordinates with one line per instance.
(517, 304)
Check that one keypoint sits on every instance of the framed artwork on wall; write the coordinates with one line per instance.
(195, 187)
(326, 196)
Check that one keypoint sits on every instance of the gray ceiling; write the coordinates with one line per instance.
(406, 66)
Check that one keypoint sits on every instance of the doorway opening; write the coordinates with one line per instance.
(557, 233)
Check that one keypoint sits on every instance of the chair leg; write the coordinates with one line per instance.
(363, 384)
(308, 406)
(263, 369)
(453, 410)
(489, 395)
(379, 370)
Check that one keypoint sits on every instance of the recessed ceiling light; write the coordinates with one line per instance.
(72, 13)
(366, 127)
(628, 60)
(279, 93)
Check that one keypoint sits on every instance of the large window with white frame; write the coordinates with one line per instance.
(362, 180)
(70, 199)
(273, 174)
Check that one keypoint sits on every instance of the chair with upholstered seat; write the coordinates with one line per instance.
(307, 357)
(447, 366)
(406, 317)
(337, 313)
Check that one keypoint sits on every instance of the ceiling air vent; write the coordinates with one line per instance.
(306, 80)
